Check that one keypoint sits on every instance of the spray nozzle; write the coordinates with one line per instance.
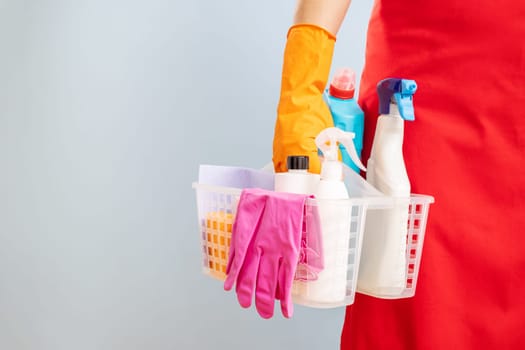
(398, 91)
(327, 141)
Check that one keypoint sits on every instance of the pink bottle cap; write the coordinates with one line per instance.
(343, 84)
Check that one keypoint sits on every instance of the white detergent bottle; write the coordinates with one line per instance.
(382, 269)
(334, 215)
(297, 179)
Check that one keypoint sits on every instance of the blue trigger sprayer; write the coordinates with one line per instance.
(382, 269)
(388, 173)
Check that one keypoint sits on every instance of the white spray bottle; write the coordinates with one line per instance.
(334, 216)
(331, 185)
(382, 270)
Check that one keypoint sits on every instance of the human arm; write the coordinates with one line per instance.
(327, 14)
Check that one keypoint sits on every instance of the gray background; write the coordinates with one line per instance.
(106, 110)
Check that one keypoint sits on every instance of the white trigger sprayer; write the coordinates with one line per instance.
(326, 141)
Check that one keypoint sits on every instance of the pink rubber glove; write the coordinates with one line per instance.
(311, 253)
(264, 252)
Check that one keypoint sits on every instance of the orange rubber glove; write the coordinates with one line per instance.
(302, 112)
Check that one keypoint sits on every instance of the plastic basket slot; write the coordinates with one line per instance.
(350, 275)
(340, 251)
(349, 251)
(412, 240)
(411, 267)
(412, 218)
(352, 242)
(218, 226)
(418, 208)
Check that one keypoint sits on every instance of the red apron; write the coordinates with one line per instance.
(467, 149)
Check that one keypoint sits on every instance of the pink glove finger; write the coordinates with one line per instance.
(314, 241)
(286, 275)
(265, 290)
(247, 276)
(307, 269)
(235, 262)
(247, 221)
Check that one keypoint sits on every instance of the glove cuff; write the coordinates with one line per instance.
(312, 27)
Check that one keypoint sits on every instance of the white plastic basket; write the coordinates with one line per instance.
(417, 223)
(216, 213)
(336, 284)
(216, 207)
(379, 276)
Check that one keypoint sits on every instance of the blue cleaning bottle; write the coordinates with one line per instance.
(346, 113)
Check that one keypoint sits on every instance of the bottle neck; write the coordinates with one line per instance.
(394, 110)
(332, 170)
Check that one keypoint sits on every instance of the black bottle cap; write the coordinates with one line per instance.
(297, 162)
